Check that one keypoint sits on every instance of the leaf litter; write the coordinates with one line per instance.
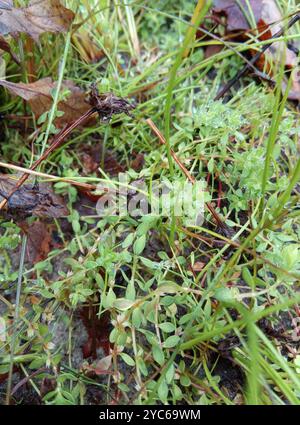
(39, 97)
(262, 19)
(38, 17)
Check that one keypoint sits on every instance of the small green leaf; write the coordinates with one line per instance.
(123, 304)
(163, 391)
(167, 327)
(210, 165)
(128, 240)
(130, 291)
(124, 387)
(248, 277)
(185, 381)
(149, 263)
(139, 245)
(137, 317)
(127, 359)
(225, 295)
(42, 118)
(158, 354)
(109, 299)
(171, 341)
(170, 373)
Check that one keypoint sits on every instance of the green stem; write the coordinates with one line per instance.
(199, 14)
(16, 318)
(56, 96)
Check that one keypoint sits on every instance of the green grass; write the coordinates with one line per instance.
(175, 302)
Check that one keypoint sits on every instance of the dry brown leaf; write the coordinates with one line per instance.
(198, 266)
(39, 241)
(268, 20)
(38, 96)
(239, 16)
(38, 17)
(98, 331)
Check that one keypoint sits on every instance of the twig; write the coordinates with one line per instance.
(28, 378)
(256, 57)
(163, 142)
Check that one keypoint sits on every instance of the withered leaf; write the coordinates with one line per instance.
(38, 95)
(37, 200)
(268, 21)
(236, 13)
(39, 241)
(98, 331)
(38, 17)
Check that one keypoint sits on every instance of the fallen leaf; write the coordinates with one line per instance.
(91, 158)
(212, 50)
(38, 95)
(38, 17)
(294, 93)
(138, 162)
(30, 200)
(98, 331)
(47, 385)
(198, 266)
(235, 13)
(39, 241)
(103, 365)
(268, 21)
(34, 300)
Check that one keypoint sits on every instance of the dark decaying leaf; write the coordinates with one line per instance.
(30, 200)
(38, 95)
(38, 17)
(39, 241)
(98, 331)
(239, 15)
